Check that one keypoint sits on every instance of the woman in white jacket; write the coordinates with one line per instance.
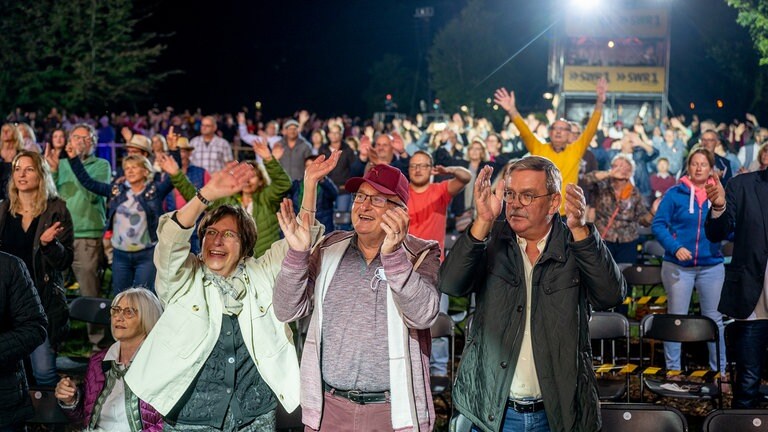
(218, 359)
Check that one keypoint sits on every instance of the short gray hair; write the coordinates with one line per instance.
(538, 163)
(146, 303)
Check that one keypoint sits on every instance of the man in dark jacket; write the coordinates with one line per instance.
(22, 329)
(741, 209)
(535, 276)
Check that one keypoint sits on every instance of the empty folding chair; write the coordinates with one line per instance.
(681, 328)
(736, 420)
(641, 418)
(610, 328)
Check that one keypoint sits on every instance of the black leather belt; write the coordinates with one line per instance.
(357, 396)
(526, 406)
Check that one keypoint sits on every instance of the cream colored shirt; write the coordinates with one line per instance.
(525, 383)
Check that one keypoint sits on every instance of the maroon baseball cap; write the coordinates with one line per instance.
(385, 179)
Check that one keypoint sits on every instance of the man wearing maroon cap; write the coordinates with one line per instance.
(373, 296)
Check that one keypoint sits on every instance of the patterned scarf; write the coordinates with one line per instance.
(232, 288)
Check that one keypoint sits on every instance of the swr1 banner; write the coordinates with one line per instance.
(636, 79)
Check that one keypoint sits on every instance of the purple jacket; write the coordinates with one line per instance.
(95, 379)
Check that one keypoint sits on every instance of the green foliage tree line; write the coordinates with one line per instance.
(74, 54)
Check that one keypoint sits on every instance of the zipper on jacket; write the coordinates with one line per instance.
(698, 237)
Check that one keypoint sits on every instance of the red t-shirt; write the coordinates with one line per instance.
(427, 211)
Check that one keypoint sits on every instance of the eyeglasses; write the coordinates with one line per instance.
(127, 312)
(525, 198)
(81, 138)
(417, 167)
(227, 236)
(376, 200)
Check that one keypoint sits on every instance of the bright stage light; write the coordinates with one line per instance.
(585, 5)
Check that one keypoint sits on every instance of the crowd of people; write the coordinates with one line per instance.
(212, 226)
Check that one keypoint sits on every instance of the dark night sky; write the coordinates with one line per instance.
(316, 54)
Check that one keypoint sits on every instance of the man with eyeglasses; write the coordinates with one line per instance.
(372, 297)
(427, 208)
(89, 211)
(212, 152)
(535, 276)
(561, 149)
(710, 140)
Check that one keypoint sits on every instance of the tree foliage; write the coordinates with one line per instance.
(76, 54)
(463, 53)
(753, 15)
(389, 75)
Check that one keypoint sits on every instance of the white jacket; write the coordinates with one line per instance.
(181, 341)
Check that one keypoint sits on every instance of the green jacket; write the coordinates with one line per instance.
(568, 278)
(88, 210)
(266, 203)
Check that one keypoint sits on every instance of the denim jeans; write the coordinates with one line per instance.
(43, 360)
(523, 422)
(679, 283)
(438, 360)
(750, 340)
(131, 269)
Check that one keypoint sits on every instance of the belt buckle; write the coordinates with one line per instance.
(524, 407)
(356, 396)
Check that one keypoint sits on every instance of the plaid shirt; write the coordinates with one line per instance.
(211, 156)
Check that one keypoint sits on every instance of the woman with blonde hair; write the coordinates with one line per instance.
(104, 402)
(133, 210)
(36, 226)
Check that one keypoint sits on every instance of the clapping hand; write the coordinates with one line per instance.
(716, 192)
(395, 225)
(296, 235)
(167, 163)
(321, 167)
(50, 234)
(261, 148)
(52, 157)
(575, 207)
(487, 203)
(505, 99)
(228, 181)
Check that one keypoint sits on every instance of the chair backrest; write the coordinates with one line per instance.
(90, 309)
(653, 248)
(608, 325)
(342, 218)
(736, 420)
(679, 328)
(443, 326)
(642, 275)
(450, 240)
(642, 418)
(47, 410)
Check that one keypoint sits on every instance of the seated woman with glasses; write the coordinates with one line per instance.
(219, 359)
(104, 402)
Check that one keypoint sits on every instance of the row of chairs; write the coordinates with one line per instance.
(656, 418)
(611, 330)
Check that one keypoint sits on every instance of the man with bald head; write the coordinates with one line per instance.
(565, 153)
(212, 152)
